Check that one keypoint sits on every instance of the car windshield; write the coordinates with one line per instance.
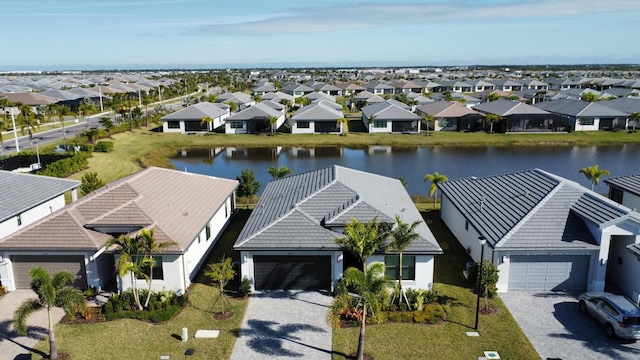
(631, 320)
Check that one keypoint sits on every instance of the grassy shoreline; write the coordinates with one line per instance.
(142, 147)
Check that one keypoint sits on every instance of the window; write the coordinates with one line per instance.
(380, 124)
(207, 230)
(236, 124)
(616, 195)
(586, 121)
(158, 273)
(173, 124)
(19, 218)
(302, 124)
(199, 238)
(226, 210)
(391, 263)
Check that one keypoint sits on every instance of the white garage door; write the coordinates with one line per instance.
(552, 272)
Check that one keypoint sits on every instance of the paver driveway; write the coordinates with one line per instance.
(285, 324)
(558, 330)
(13, 345)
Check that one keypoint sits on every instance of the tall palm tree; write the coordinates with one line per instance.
(61, 111)
(492, 118)
(594, 174)
(363, 239)
(401, 237)
(26, 113)
(206, 120)
(435, 179)
(130, 262)
(344, 125)
(280, 172)
(149, 247)
(368, 285)
(635, 117)
(272, 120)
(51, 292)
(428, 118)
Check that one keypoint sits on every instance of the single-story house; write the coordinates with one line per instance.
(520, 117)
(457, 86)
(190, 119)
(478, 85)
(278, 96)
(389, 118)
(318, 117)
(27, 198)
(544, 232)
(320, 96)
(506, 85)
(263, 88)
(585, 116)
(289, 242)
(297, 90)
(187, 210)
(254, 120)
(451, 115)
(349, 88)
(625, 190)
(378, 88)
(239, 98)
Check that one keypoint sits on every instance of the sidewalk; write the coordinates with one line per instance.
(12, 345)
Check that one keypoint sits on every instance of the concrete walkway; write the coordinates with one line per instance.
(285, 324)
(558, 330)
(12, 345)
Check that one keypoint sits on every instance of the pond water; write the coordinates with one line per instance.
(412, 163)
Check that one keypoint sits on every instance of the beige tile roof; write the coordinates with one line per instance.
(175, 203)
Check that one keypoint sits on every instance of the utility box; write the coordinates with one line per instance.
(185, 334)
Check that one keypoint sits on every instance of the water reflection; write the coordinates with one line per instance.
(412, 163)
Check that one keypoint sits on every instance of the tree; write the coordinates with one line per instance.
(26, 115)
(248, 186)
(232, 106)
(130, 262)
(492, 118)
(106, 123)
(51, 292)
(257, 98)
(61, 111)
(146, 101)
(363, 239)
(594, 174)
(589, 96)
(280, 172)
(149, 247)
(435, 179)
(490, 276)
(206, 120)
(401, 237)
(635, 118)
(301, 101)
(493, 97)
(344, 125)
(368, 285)
(428, 119)
(90, 182)
(272, 121)
(221, 273)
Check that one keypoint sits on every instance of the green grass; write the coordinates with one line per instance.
(132, 339)
(141, 148)
(499, 332)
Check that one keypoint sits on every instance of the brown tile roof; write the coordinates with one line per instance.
(176, 203)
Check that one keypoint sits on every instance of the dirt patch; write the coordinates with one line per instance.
(489, 311)
(365, 356)
(61, 356)
(93, 317)
(223, 315)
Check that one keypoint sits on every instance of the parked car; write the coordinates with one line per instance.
(619, 315)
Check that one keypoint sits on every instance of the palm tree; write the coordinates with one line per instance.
(280, 172)
(363, 239)
(301, 101)
(344, 125)
(51, 292)
(130, 262)
(272, 120)
(594, 174)
(248, 185)
(149, 246)
(146, 101)
(491, 118)
(26, 113)
(635, 117)
(206, 120)
(401, 237)
(428, 118)
(232, 106)
(2, 125)
(368, 285)
(435, 179)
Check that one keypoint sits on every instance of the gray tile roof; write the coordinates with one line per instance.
(628, 183)
(533, 209)
(628, 105)
(259, 111)
(388, 111)
(317, 112)
(196, 112)
(21, 192)
(507, 107)
(579, 108)
(291, 212)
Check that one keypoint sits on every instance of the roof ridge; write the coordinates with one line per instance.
(271, 224)
(342, 208)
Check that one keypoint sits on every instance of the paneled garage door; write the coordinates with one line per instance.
(552, 272)
(292, 272)
(22, 264)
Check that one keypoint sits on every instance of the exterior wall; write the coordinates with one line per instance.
(468, 238)
(579, 127)
(630, 200)
(247, 269)
(32, 215)
(165, 127)
(172, 268)
(621, 264)
(229, 130)
(309, 130)
(424, 271)
(372, 129)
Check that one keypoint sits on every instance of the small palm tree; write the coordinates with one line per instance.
(344, 125)
(149, 247)
(51, 292)
(401, 237)
(635, 117)
(435, 179)
(272, 121)
(130, 262)
(206, 120)
(280, 172)
(491, 118)
(594, 174)
(428, 118)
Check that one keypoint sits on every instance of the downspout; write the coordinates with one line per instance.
(184, 274)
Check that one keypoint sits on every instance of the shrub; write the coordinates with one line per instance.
(104, 146)
(3, 290)
(434, 313)
(245, 287)
(65, 167)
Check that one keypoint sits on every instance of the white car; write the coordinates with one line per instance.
(619, 316)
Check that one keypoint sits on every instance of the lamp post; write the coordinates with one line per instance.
(15, 131)
(483, 241)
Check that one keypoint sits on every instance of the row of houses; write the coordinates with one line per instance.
(543, 232)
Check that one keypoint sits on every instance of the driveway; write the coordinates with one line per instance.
(557, 329)
(285, 324)
(12, 345)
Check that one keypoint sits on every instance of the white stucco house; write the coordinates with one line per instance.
(386, 117)
(187, 210)
(545, 232)
(255, 119)
(586, 116)
(190, 119)
(318, 117)
(289, 242)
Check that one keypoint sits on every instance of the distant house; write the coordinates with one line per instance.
(586, 116)
(507, 85)
(254, 120)
(319, 117)
(545, 232)
(379, 88)
(452, 116)
(239, 98)
(625, 190)
(297, 90)
(519, 117)
(386, 117)
(188, 210)
(289, 242)
(349, 88)
(264, 88)
(478, 85)
(190, 119)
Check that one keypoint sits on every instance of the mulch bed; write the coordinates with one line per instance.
(61, 356)
(96, 317)
(223, 315)
(489, 311)
(365, 356)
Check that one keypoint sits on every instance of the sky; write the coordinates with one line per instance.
(163, 34)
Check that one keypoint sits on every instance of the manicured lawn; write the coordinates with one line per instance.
(446, 341)
(132, 339)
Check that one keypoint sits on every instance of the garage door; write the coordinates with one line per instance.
(22, 264)
(292, 272)
(553, 272)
